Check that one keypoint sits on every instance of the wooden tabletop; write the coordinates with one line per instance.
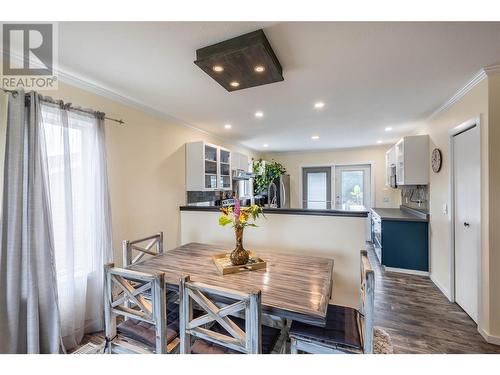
(294, 287)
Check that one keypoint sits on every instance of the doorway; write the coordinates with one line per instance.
(352, 186)
(353, 189)
(466, 216)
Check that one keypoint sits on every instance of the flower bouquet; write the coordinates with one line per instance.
(239, 218)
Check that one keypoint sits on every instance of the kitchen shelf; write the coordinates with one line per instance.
(208, 167)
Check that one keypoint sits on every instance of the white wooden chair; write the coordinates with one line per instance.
(129, 247)
(147, 328)
(216, 331)
(153, 246)
(347, 330)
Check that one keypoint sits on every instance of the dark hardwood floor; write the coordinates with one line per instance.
(420, 319)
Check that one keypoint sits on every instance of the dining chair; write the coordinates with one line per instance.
(216, 330)
(148, 328)
(128, 247)
(153, 247)
(347, 330)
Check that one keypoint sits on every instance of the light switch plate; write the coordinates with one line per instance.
(386, 199)
(445, 209)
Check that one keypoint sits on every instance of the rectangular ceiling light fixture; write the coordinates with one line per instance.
(242, 62)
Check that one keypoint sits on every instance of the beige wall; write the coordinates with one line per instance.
(146, 168)
(481, 101)
(493, 203)
(294, 161)
(3, 135)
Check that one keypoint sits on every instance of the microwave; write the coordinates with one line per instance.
(393, 181)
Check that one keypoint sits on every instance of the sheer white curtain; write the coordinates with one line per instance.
(81, 217)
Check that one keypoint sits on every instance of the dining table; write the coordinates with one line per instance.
(295, 287)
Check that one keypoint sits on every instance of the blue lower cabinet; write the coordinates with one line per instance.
(405, 244)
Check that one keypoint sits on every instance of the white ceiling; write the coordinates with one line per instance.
(369, 75)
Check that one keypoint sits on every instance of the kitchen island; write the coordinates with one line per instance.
(335, 234)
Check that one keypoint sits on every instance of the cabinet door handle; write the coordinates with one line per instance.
(466, 224)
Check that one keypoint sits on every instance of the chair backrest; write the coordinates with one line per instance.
(367, 302)
(144, 292)
(154, 246)
(248, 341)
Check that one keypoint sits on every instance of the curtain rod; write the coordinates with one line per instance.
(70, 106)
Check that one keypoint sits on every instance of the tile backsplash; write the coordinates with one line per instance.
(204, 196)
(415, 196)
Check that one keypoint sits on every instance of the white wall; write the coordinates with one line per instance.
(335, 237)
(295, 161)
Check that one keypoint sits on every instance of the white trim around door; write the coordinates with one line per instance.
(467, 125)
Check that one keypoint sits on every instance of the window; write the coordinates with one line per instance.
(74, 158)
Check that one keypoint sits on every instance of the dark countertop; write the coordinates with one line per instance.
(289, 211)
(401, 214)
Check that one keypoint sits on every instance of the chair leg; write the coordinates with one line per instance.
(293, 346)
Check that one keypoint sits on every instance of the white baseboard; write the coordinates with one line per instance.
(443, 290)
(491, 339)
(404, 270)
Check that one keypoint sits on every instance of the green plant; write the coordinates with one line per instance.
(265, 175)
(357, 194)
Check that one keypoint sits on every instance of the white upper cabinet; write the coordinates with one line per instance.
(411, 157)
(390, 160)
(240, 162)
(208, 167)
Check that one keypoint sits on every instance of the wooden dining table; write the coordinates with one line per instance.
(296, 287)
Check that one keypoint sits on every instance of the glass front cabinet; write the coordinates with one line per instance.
(208, 167)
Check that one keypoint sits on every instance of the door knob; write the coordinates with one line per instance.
(466, 224)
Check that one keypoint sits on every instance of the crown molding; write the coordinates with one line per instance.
(492, 69)
(476, 79)
(101, 90)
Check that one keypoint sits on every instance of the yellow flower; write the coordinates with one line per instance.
(242, 218)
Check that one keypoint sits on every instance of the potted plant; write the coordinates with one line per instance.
(265, 173)
(239, 218)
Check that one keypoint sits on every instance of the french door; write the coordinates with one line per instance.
(317, 187)
(353, 189)
(352, 186)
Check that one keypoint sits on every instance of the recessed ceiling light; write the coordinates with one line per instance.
(218, 68)
(259, 114)
(315, 137)
(388, 129)
(234, 83)
(227, 126)
(259, 68)
(319, 105)
(379, 141)
(265, 145)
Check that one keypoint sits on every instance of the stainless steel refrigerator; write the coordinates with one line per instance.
(278, 192)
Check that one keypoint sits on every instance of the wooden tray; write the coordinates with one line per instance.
(225, 266)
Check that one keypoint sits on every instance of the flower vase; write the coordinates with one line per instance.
(239, 256)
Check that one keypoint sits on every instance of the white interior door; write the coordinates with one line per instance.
(467, 216)
(353, 188)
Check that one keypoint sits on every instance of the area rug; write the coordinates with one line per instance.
(382, 343)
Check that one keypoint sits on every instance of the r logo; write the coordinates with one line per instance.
(28, 49)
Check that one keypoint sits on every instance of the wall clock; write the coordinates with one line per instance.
(436, 160)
